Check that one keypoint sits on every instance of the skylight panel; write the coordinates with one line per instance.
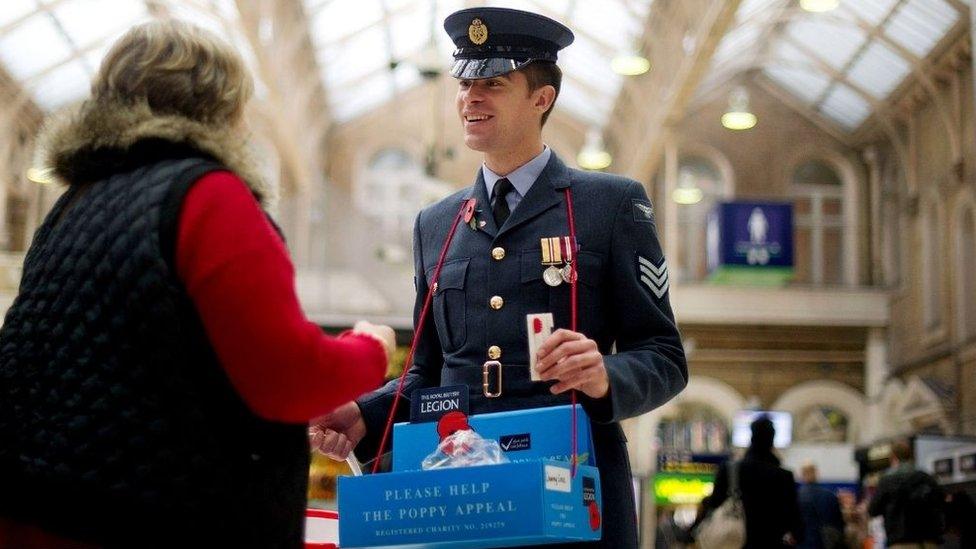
(751, 9)
(879, 70)
(86, 23)
(349, 102)
(341, 18)
(410, 30)
(361, 54)
(393, 6)
(846, 107)
(561, 7)
(608, 21)
(61, 86)
(737, 43)
(919, 25)
(41, 38)
(584, 61)
(640, 7)
(872, 11)
(834, 43)
(790, 53)
(445, 8)
(807, 84)
(204, 18)
(14, 10)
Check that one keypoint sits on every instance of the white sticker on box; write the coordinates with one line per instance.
(558, 479)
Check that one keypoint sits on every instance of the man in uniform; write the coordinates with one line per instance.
(495, 271)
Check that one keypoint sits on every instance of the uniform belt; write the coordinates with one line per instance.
(515, 380)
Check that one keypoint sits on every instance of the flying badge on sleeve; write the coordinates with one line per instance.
(655, 277)
(643, 210)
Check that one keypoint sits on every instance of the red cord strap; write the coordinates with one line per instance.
(416, 336)
(572, 314)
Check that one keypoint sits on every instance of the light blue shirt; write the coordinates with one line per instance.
(522, 178)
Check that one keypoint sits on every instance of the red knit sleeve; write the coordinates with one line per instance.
(239, 275)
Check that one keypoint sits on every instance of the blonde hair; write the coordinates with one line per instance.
(175, 68)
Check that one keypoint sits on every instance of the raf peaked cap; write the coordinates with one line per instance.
(495, 41)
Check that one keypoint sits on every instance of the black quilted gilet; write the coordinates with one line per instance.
(117, 423)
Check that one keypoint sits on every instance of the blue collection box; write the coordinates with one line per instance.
(506, 505)
(523, 435)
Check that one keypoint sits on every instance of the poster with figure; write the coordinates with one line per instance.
(750, 243)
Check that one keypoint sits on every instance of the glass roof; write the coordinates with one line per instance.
(370, 50)
(840, 63)
(358, 42)
(66, 39)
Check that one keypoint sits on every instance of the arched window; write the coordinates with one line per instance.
(818, 218)
(393, 189)
(965, 269)
(932, 263)
(700, 186)
(694, 428)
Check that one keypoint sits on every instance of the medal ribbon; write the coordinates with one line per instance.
(551, 254)
(567, 246)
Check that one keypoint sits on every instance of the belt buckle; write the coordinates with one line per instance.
(486, 374)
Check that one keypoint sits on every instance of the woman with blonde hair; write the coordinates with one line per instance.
(157, 373)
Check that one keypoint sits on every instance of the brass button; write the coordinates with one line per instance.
(496, 302)
(498, 253)
(494, 352)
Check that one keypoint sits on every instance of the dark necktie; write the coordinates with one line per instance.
(499, 206)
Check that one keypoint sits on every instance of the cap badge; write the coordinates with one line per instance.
(477, 32)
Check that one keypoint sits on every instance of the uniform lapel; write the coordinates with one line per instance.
(545, 193)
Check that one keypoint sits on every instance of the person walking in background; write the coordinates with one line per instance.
(822, 520)
(960, 521)
(768, 493)
(911, 502)
(156, 370)
(855, 518)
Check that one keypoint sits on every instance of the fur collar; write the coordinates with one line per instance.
(95, 140)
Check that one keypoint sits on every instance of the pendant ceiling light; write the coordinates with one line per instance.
(687, 192)
(593, 156)
(819, 6)
(44, 176)
(738, 117)
(630, 64)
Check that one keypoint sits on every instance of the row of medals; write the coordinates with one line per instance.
(554, 276)
(558, 250)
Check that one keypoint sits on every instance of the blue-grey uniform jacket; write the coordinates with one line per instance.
(622, 299)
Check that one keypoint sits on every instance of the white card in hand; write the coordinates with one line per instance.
(539, 328)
